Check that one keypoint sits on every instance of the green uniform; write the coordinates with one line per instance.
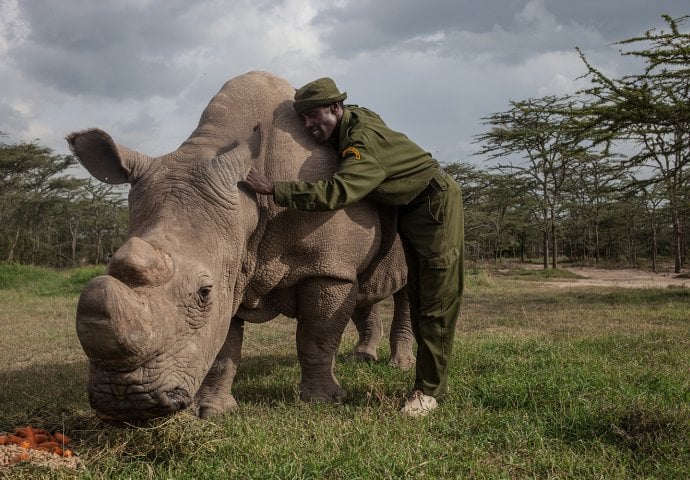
(387, 167)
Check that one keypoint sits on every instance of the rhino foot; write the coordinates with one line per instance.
(402, 361)
(211, 408)
(365, 354)
(322, 393)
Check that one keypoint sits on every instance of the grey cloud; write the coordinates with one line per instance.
(362, 25)
(142, 122)
(618, 19)
(11, 120)
(365, 25)
(107, 49)
(111, 73)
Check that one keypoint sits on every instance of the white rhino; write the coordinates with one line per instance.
(163, 328)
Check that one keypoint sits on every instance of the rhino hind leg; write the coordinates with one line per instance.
(368, 323)
(370, 329)
(325, 307)
(215, 394)
(401, 335)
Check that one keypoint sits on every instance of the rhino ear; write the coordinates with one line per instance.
(239, 159)
(105, 160)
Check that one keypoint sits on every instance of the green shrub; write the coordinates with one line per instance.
(46, 281)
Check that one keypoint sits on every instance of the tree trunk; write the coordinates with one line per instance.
(677, 247)
(632, 257)
(596, 242)
(73, 224)
(654, 249)
(10, 256)
(554, 249)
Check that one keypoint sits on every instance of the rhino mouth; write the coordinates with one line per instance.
(119, 397)
(138, 406)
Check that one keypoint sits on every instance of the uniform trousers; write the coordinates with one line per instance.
(432, 230)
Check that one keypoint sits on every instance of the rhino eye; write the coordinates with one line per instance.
(204, 295)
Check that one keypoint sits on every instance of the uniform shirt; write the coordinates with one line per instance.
(376, 161)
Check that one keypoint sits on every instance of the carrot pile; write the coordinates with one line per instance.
(37, 439)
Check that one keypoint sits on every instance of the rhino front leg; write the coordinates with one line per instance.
(325, 307)
(401, 336)
(368, 323)
(215, 394)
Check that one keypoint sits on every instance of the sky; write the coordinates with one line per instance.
(144, 70)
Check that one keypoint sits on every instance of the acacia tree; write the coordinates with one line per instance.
(474, 185)
(28, 185)
(595, 183)
(104, 210)
(652, 110)
(499, 212)
(540, 130)
(50, 217)
(508, 213)
(651, 199)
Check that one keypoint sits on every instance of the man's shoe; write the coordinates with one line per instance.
(419, 404)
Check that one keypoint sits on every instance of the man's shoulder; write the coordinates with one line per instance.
(364, 125)
(364, 115)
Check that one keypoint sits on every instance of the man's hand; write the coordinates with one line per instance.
(258, 183)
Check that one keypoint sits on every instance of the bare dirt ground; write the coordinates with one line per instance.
(623, 278)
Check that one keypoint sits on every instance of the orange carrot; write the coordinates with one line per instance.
(25, 444)
(67, 453)
(31, 436)
(20, 457)
(62, 438)
(47, 445)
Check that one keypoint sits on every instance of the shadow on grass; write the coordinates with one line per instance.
(602, 296)
(267, 379)
(642, 428)
(45, 395)
(48, 394)
(633, 296)
(274, 380)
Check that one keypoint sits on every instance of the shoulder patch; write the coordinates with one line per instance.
(351, 150)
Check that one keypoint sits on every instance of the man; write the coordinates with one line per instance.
(387, 167)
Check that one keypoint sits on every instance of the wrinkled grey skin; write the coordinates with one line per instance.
(163, 328)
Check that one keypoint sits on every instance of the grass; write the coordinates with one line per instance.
(546, 383)
(45, 281)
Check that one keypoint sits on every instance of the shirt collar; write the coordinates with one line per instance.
(344, 128)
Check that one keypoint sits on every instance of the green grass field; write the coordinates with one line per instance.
(590, 383)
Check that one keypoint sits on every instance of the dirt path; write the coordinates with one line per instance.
(623, 278)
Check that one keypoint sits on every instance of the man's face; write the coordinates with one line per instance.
(321, 121)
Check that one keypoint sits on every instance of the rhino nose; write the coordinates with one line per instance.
(137, 263)
(114, 324)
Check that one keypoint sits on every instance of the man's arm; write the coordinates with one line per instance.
(359, 174)
(258, 182)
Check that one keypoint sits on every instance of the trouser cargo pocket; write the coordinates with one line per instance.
(438, 281)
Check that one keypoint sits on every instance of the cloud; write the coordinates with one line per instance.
(504, 30)
(145, 69)
(108, 49)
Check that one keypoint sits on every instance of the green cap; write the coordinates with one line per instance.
(318, 93)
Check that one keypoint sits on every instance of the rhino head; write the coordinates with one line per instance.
(153, 324)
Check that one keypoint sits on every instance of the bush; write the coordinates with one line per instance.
(46, 281)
